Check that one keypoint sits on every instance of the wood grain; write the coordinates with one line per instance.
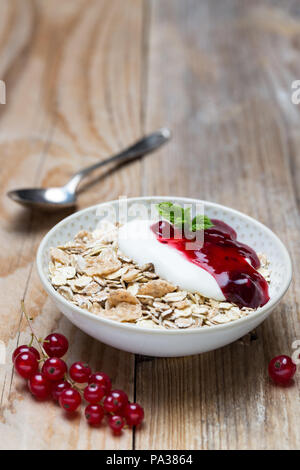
(82, 84)
(220, 74)
(74, 97)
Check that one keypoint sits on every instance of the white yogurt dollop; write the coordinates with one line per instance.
(138, 242)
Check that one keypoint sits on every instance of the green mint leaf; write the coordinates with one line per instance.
(201, 222)
(164, 209)
(182, 217)
(175, 214)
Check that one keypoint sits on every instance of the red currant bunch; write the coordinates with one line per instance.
(47, 376)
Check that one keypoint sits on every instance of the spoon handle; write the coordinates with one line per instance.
(142, 147)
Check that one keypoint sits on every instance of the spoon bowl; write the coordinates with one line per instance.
(44, 198)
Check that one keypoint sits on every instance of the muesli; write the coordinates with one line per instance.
(91, 272)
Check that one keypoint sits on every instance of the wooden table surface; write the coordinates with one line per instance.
(85, 78)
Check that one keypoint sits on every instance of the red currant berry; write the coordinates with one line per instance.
(25, 348)
(282, 369)
(134, 414)
(93, 393)
(70, 399)
(54, 369)
(116, 423)
(80, 372)
(102, 379)
(26, 364)
(56, 345)
(94, 414)
(39, 386)
(115, 401)
(58, 388)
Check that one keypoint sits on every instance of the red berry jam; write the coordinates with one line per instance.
(225, 258)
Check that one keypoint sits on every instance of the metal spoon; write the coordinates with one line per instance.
(65, 196)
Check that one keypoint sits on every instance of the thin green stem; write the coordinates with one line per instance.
(32, 332)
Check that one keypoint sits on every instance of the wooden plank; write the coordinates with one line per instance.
(74, 97)
(219, 74)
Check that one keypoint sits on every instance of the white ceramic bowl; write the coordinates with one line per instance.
(164, 343)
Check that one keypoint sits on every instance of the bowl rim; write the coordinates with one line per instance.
(138, 329)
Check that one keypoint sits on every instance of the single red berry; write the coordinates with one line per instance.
(80, 372)
(39, 386)
(134, 414)
(115, 402)
(58, 388)
(70, 399)
(102, 379)
(93, 393)
(26, 364)
(56, 345)
(25, 348)
(116, 423)
(282, 369)
(94, 414)
(54, 369)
